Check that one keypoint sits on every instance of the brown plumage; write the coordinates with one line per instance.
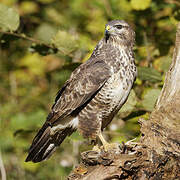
(94, 93)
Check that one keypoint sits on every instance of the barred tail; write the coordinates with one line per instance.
(44, 144)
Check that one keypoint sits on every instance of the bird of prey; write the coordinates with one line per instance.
(93, 94)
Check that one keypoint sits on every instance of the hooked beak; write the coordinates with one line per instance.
(107, 32)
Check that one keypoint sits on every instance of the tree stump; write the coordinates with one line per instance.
(157, 155)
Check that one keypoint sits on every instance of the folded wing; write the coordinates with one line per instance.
(84, 83)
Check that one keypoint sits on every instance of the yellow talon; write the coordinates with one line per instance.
(96, 148)
(107, 146)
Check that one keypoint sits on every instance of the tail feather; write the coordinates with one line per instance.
(44, 144)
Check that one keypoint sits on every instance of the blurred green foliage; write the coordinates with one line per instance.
(30, 81)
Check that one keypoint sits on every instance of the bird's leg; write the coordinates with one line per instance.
(106, 145)
(104, 142)
(96, 146)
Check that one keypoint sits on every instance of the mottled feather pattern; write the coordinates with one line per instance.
(44, 144)
(93, 94)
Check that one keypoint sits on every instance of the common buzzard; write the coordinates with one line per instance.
(93, 94)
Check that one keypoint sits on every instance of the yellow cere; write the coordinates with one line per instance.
(108, 27)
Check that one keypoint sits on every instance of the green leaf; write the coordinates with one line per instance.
(162, 63)
(149, 74)
(28, 7)
(34, 63)
(9, 18)
(45, 32)
(140, 4)
(149, 98)
(65, 42)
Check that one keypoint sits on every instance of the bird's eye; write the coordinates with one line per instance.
(119, 26)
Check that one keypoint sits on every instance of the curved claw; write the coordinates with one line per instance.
(96, 148)
(111, 146)
(107, 146)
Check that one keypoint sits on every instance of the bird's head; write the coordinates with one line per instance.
(119, 32)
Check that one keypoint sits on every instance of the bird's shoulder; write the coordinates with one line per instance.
(83, 84)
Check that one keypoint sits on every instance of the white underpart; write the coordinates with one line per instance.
(118, 94)
(73, 122)
(124, 54)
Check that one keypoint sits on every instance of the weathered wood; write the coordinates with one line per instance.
(162, 131)
(172, 81)
(157, 156)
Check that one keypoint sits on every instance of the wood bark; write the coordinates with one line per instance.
(157, 155)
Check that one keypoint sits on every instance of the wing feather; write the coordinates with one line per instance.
(83, 85)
